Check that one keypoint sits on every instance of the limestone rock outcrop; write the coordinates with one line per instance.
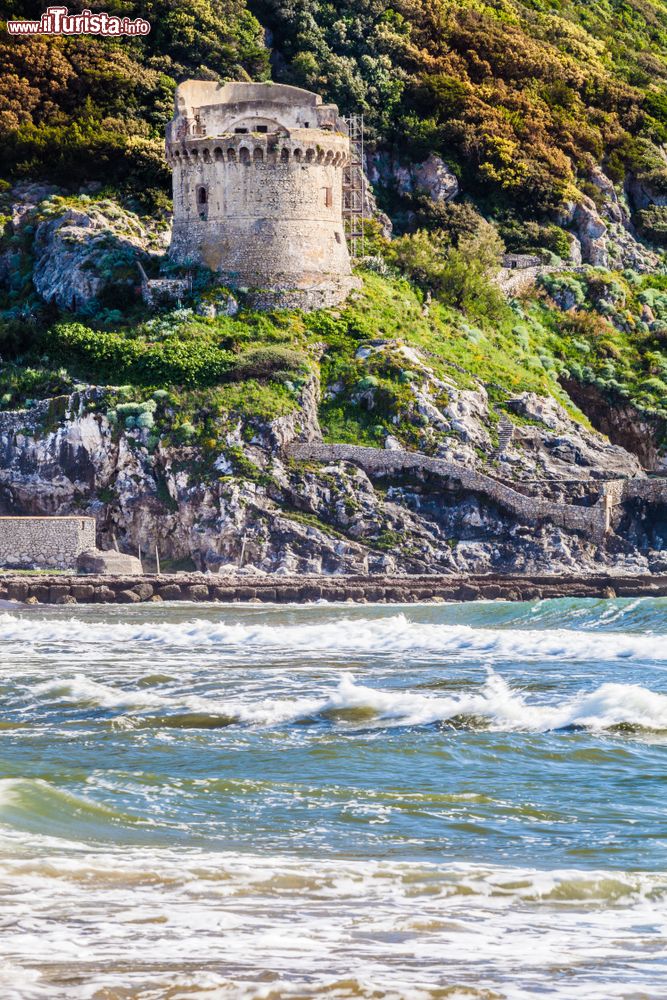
(435, 179)
(604, 231)
(77, 249)
(290, 518)
(456, 425)
(432, 177)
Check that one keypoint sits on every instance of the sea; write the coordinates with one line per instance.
(334, 800)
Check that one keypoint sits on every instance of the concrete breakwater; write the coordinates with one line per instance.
(62, 589)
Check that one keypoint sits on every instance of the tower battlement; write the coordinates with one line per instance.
(258, 189)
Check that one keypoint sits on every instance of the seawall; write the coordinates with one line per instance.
(65, 589)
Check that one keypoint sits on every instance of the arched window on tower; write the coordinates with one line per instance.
(202, 202)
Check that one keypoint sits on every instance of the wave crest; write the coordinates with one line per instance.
(341, 637)
(494, 705)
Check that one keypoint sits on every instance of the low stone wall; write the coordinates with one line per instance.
(44, 542)
(653, 490)
(65, 590)
(593, 521)
(514, 281)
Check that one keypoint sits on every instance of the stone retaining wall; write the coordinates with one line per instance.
(65, 590)
(44, 542)
(653, 490)
(593, 521)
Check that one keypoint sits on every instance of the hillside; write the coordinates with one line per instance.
(530, 128)
(521, 98)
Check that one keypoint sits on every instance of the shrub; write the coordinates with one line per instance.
(566, 290)
(16, 337)
(145, 420)
(113, 356)
(186, 431)
(460, 276)
(267, 362)
(652, 223)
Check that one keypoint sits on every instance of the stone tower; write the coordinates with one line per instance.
(258, 190)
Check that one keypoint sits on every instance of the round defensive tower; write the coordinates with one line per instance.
(258, 190)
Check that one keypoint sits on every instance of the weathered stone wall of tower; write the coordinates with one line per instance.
(262, 204)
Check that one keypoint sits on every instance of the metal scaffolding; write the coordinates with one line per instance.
(354, 187)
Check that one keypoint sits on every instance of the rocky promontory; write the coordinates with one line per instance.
(497, 438)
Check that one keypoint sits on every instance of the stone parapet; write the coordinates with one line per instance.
(651, 489)
(528, 509)
(303, 146)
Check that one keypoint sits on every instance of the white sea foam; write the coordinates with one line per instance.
(183, 920)
(339, 637)
(495, 702)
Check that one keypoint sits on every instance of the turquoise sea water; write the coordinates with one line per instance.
(387, 802)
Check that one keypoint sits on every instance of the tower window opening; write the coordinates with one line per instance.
(328, 197)
(241, 131)
(262, 128)
(202, 203)
(306, 124)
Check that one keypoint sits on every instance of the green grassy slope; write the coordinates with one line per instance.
(209, 372)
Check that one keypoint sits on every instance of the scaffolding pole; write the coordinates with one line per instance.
(354, 187)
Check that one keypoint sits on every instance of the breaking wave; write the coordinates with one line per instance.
(340, 637)
(493, 705)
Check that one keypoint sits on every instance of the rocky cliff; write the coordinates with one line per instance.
(251, 506)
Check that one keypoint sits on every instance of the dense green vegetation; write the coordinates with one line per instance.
(521, 97)
(83, 108)
(201, 374)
